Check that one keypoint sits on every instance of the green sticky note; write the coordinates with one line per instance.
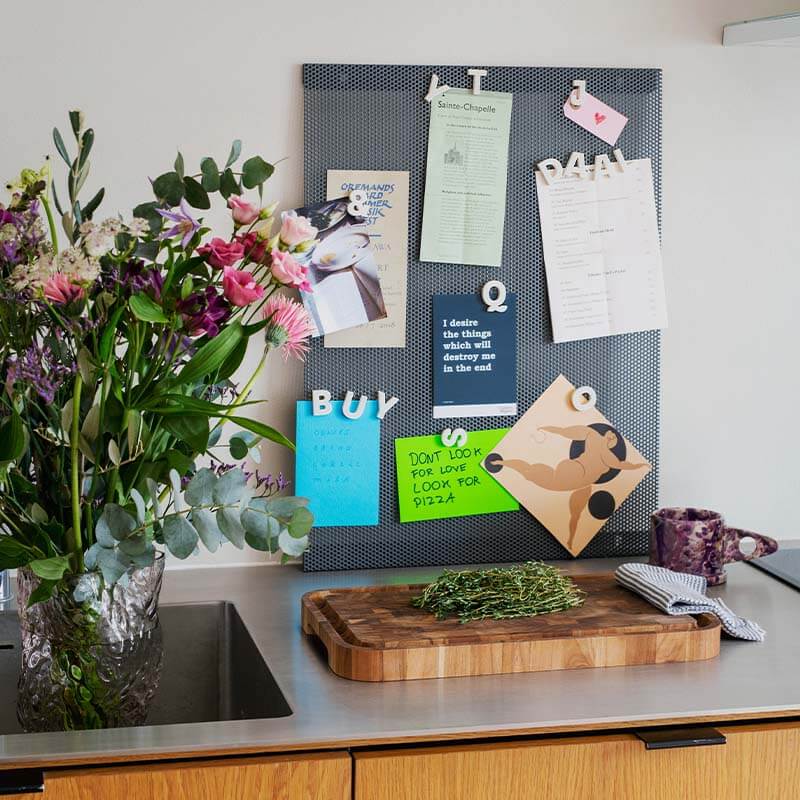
(437, 482)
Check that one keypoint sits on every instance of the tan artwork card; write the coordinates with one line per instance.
(571, 469)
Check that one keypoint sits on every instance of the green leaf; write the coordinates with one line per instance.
(234, 360)
(179, 536)
(290, 545)
(210, 171)
(109, 334)
(210, 356)
(92, 205)
(134, 545)
(230, 524)
(44, 591)
(114, 525)
(51, 569)
(169, 188)
(12, 438)
(13, 554)
(262, 430)
(75, 122)
(285, 506)
(189, 428)
(196, 195)
(179, 164)
(207, 528)
(230, 487)
(113, 564)
(87, 140)
(255, 171)
(301, 523)
(228, 184)
(261, 530)
(200, 491)
(62, 150)
(146, 309)
(236, 151)
(148, 211)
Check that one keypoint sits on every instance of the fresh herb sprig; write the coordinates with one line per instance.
(501, 593)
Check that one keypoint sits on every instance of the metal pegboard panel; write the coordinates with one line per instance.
(375, 117)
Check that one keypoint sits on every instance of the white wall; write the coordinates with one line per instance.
(152, 76)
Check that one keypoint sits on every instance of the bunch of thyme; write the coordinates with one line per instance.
(502, 593)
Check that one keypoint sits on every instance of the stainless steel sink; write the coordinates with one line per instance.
(212, 669)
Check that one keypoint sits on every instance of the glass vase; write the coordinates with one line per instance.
(91, 654)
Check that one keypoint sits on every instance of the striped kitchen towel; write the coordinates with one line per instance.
(678, 593)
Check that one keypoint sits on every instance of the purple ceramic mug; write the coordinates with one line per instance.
(698, 541)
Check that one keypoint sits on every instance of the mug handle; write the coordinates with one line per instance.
(733, 536)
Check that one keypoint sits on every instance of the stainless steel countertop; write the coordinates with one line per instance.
(748, 679)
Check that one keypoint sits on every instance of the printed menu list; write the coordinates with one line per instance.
(601, 252)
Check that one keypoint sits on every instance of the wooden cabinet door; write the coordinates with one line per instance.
(758, 762)
(320, 777)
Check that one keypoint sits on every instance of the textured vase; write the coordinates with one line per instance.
(91, 654)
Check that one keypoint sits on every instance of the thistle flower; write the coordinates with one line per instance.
(185, 225)
(289, 327)
(60, 290)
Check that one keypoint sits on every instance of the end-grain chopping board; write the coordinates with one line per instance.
(375, 634)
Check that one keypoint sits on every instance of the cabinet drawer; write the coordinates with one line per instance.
(318, 777)
(758, 761)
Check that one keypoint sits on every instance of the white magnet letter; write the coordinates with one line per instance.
(550, 168)
(384, 405)
(576, 95)
(577, 166)
(434, 89)
(356, 207)
(454, 437)
(494, 303)
(621, 163)
(477, 74)
(347, 406)
(320, 402)
(602, 166)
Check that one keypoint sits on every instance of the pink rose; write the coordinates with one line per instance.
(220, 253)
(240, 287)
(243, 213)
(255, 248)
(60, 290)
(286, 269)
(295, 230)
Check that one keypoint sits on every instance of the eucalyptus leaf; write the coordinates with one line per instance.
(236, 151)
(238, 448)
(175, 480)
(285, 506)
(301, 523)
(228, 184)
(196, 195)
(134, 545)
(169, 188)
(200, 491)
(261, 529)
(115, 524)
(179, 535)
(230, 487)
(291, 546)
(255, 171)
(210, 172)
(230, 524)
(138, 501)
(113, 564)
(206, 525)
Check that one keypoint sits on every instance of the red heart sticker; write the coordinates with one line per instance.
(598, 118)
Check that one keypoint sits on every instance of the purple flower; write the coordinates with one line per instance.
(204, 312)
(185, 225)
(141, 278)
(40, 369)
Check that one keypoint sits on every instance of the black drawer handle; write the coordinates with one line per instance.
(665, 738)
(21, 781)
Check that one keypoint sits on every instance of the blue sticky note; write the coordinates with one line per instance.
(338, 464)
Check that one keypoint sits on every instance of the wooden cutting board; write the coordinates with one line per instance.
(374, 634)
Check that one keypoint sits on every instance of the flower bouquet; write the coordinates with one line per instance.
(119, 342)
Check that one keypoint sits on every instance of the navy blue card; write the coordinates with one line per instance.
(474, 357)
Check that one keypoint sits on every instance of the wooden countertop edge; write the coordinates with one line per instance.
(325, 747)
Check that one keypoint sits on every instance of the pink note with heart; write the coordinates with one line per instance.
(597, 118)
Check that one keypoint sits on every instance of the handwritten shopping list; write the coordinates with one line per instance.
(474, 358)
(387, 226)
(601, 252)
(438, 482)
(465, 180)
(338, 464)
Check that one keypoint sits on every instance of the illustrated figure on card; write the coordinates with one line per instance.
(571, 476)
